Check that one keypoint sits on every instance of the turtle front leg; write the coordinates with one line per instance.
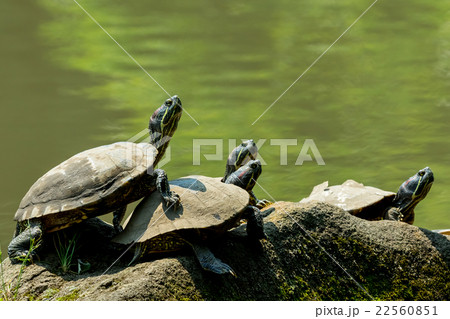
(118, 217)
(19, 248)
(258, 203)
(255, 223)
(162, 184)
(210, 262)
(393, 213)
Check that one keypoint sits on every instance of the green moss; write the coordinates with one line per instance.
(298, 289)
(49, 293)
(322, 279)
(30, 297)
(191, 291)
(74, 295)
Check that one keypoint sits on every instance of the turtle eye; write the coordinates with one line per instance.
(168, 102)
(253, 165)
(421, 173)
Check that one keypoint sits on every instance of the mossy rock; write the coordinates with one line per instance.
(386, 261)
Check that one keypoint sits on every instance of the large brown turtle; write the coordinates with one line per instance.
(208, 208)
(97, 181)
(374, 204)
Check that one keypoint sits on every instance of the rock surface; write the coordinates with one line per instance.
(313, 252)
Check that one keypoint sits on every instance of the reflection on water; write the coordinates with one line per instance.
(376, 105)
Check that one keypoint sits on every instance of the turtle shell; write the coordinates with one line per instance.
(442, 231)
(88, 184)
(207, 206)
(364, 201)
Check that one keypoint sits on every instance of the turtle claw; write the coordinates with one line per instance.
(17, 258)
(209, 262)
(225, 269)
(173, 199)
(24, 257)
(394, 214)
(219, 267)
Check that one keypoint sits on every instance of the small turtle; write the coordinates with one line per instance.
(208, 209)
(238, 157)
(374, 204)
(97, 181)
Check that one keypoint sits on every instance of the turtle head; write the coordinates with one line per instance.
(238, 157)
(246, 176)
(413, 190)
(246, 151)
(163, 124)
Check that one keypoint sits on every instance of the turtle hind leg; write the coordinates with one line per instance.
(255, 223)
(23, 246)
(209, 262)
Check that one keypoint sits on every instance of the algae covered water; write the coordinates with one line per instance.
(374, 108)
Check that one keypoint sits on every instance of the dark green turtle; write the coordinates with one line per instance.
(97, 181)
(374, 204)
(208, 208)
(238, 157)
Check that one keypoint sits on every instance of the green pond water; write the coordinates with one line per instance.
(376, 105)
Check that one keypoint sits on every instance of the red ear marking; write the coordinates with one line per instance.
(407, 182)
(242, 174)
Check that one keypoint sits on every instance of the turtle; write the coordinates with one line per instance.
(240, 156)
(208, 208)
(97, 181)
(375, 204)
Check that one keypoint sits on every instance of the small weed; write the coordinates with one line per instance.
(65, 250)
